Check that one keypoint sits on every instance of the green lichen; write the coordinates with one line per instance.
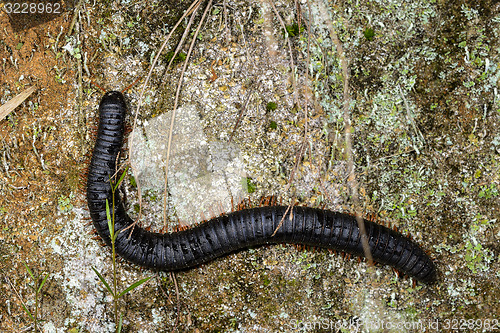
(132, 181)
(249, 185)
(64, 203)
(488, 191)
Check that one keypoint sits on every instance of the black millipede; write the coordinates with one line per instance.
(233, 231)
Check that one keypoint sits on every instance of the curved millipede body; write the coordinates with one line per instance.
(241, 229)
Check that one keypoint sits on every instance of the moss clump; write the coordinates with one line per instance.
(294, 29)
(369, 34)
(180, 57)
(271, 106)
(248, 185)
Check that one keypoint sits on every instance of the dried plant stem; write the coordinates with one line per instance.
(15, 102)
(141, 97)
(176, 101)
(292, 64)
(346, 100)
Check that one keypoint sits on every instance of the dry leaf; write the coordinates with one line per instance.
(14, 102)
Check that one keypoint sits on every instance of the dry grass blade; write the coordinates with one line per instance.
(176, 102)
(292, 64)
(295, 97)
(172, 119)
(193, 5)
(239, 117)
(14, 103)
(353, 185)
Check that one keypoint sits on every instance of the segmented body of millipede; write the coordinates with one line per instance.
(233, 231)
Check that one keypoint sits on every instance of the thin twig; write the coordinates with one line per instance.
(239, 117)
(172, 276)
(294, 84)
(244, 39)
(75, 15)
(348, 130)
(155, 60)
(81, 116)
(292, 64)
(15, 291)
(183, 37)
(298, 157)
(40, 158)
(412, 122)
(289, 208)
(176, 101)
(141, 97)
(307, 93)
(226, 29)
